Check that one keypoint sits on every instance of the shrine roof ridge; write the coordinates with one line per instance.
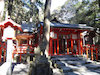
(63, 25)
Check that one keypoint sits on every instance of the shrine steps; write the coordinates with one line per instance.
(75, 65)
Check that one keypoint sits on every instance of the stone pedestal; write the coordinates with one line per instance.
(41, 66)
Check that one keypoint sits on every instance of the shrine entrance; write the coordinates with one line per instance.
(66, 40)
(65, 44)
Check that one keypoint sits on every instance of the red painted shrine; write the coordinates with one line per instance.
(22, 42)
(64, 39)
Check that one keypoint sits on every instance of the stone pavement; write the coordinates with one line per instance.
(20, 69)
(74, 65)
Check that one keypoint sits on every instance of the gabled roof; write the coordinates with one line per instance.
(27, 27)
(74, 26)
(10, 22)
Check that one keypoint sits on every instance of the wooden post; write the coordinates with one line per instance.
(2, 31)
(91, 53)
(4, 55)
(67, 47)
(87, 51)
(51, 48)
(62, 47)
(81, 46)
(54, 47)
(77, 44)
(57, 44)
(20, 53)
(77, 52)
(0, 51)
(71, 44)
(13, 55)
(96, 53)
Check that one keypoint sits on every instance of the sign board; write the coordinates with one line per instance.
(53, 35)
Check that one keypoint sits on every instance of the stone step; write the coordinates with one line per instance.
(81, 73)
(61, 56)
(70, 68)
(96, 70)
(66, 59)
(65, 69)
(76, 63)
(21, 69)
(72, 73)
(89, 73)
(92, 66)
(58, 64)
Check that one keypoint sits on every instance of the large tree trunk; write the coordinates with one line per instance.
(46, 29)
(44, 44)
(1, 9)
(10, 3)
(99, 3)
(41, 65)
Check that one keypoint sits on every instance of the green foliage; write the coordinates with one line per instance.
(87, 13)
(23, 10)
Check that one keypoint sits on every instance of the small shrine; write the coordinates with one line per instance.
(66, 38)
(23, 42)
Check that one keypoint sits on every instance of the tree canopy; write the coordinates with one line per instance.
(23, 10)
(73, 11)
(84, 12)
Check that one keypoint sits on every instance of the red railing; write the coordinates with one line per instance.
(23, 49)
(91, 51)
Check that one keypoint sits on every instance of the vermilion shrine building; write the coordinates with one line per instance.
(66, 38)
(23, 41)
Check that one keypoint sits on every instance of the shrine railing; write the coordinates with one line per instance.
(22, 49)
(92, 51)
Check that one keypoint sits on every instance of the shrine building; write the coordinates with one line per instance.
(66, 38)
(23, 42)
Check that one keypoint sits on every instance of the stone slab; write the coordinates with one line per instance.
(21, 69)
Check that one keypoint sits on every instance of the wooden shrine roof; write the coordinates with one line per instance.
(73, 26)
(27, 27)
(10, 22)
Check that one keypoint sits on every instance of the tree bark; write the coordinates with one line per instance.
(44, 44)
(10, 7)
(1, 9)
(41, 66)
(99, 3)
(46, 28)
